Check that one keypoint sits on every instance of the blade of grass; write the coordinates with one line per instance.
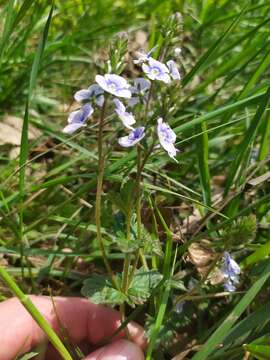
(7, 27)
(30, 307)
(261, 352)
(203, 166)
(168, 270)
(265, 133)
(245, 144)
(24, 146)
(215, 113)
(219, 335)
(212, 50)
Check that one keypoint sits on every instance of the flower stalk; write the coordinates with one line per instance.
(100, 177)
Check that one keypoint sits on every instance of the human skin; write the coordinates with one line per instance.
(83, 320)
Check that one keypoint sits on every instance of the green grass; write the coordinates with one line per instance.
(221, 118)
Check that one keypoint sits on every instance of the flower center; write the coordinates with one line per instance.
(155, 71)
(112, 87)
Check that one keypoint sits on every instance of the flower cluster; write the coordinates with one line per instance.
(230, 271)
(88, 98)
(156, 70)
(137, 92)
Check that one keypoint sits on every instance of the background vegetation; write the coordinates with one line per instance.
(47, 232)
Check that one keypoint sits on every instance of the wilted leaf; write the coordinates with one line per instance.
(10, 130)
(202, 256)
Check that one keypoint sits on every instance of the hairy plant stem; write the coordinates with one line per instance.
(127, 261)
(100, 176)
(127, 274)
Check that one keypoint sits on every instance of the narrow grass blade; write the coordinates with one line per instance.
(7, 27)
(220, 111)
(261, 352)
(258, 255)
(212, 50)
(265, 133)
(30, 307)
(24, 146)
(203, 166)
(219, 335)
(246, 142)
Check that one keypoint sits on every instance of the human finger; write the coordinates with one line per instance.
(82, 319)
(117, 350)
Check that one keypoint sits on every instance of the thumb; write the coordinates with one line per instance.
(118, 350)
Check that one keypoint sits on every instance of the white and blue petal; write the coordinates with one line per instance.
(94, 91)
(71, 128)
(156, 70)
(78, 118)
(133, 138)
(174, 72)
(114, 84)
(167, 138)
(139, 91)
(231, 271)
(127, 118)
(82, 95)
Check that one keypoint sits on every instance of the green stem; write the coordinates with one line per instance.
(138, 203)
(127, 275)
(100, 176)
(138, 193)
(30, 307)
(127, 261)
(135, 264)
(125, 282)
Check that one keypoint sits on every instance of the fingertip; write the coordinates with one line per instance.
(137, 334)
(118, 350)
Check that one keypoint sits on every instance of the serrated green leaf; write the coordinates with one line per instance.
(142, 284)
(152, 245)
(125, 245)
(100, 290)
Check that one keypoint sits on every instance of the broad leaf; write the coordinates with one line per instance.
(100, 290)
(142, 284)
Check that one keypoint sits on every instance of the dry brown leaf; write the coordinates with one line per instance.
(202, 256)
(11, 128)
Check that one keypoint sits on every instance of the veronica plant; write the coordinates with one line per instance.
(128, 106)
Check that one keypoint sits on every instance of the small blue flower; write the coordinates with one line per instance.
(140, 89)
(167, 138)
(77, 119)
(114, 84)
(179, 307)
(231, 271)
(93, 92)
(143, 56)
(133, 138)
(126, 118)
(155, 70)
(174, 72)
